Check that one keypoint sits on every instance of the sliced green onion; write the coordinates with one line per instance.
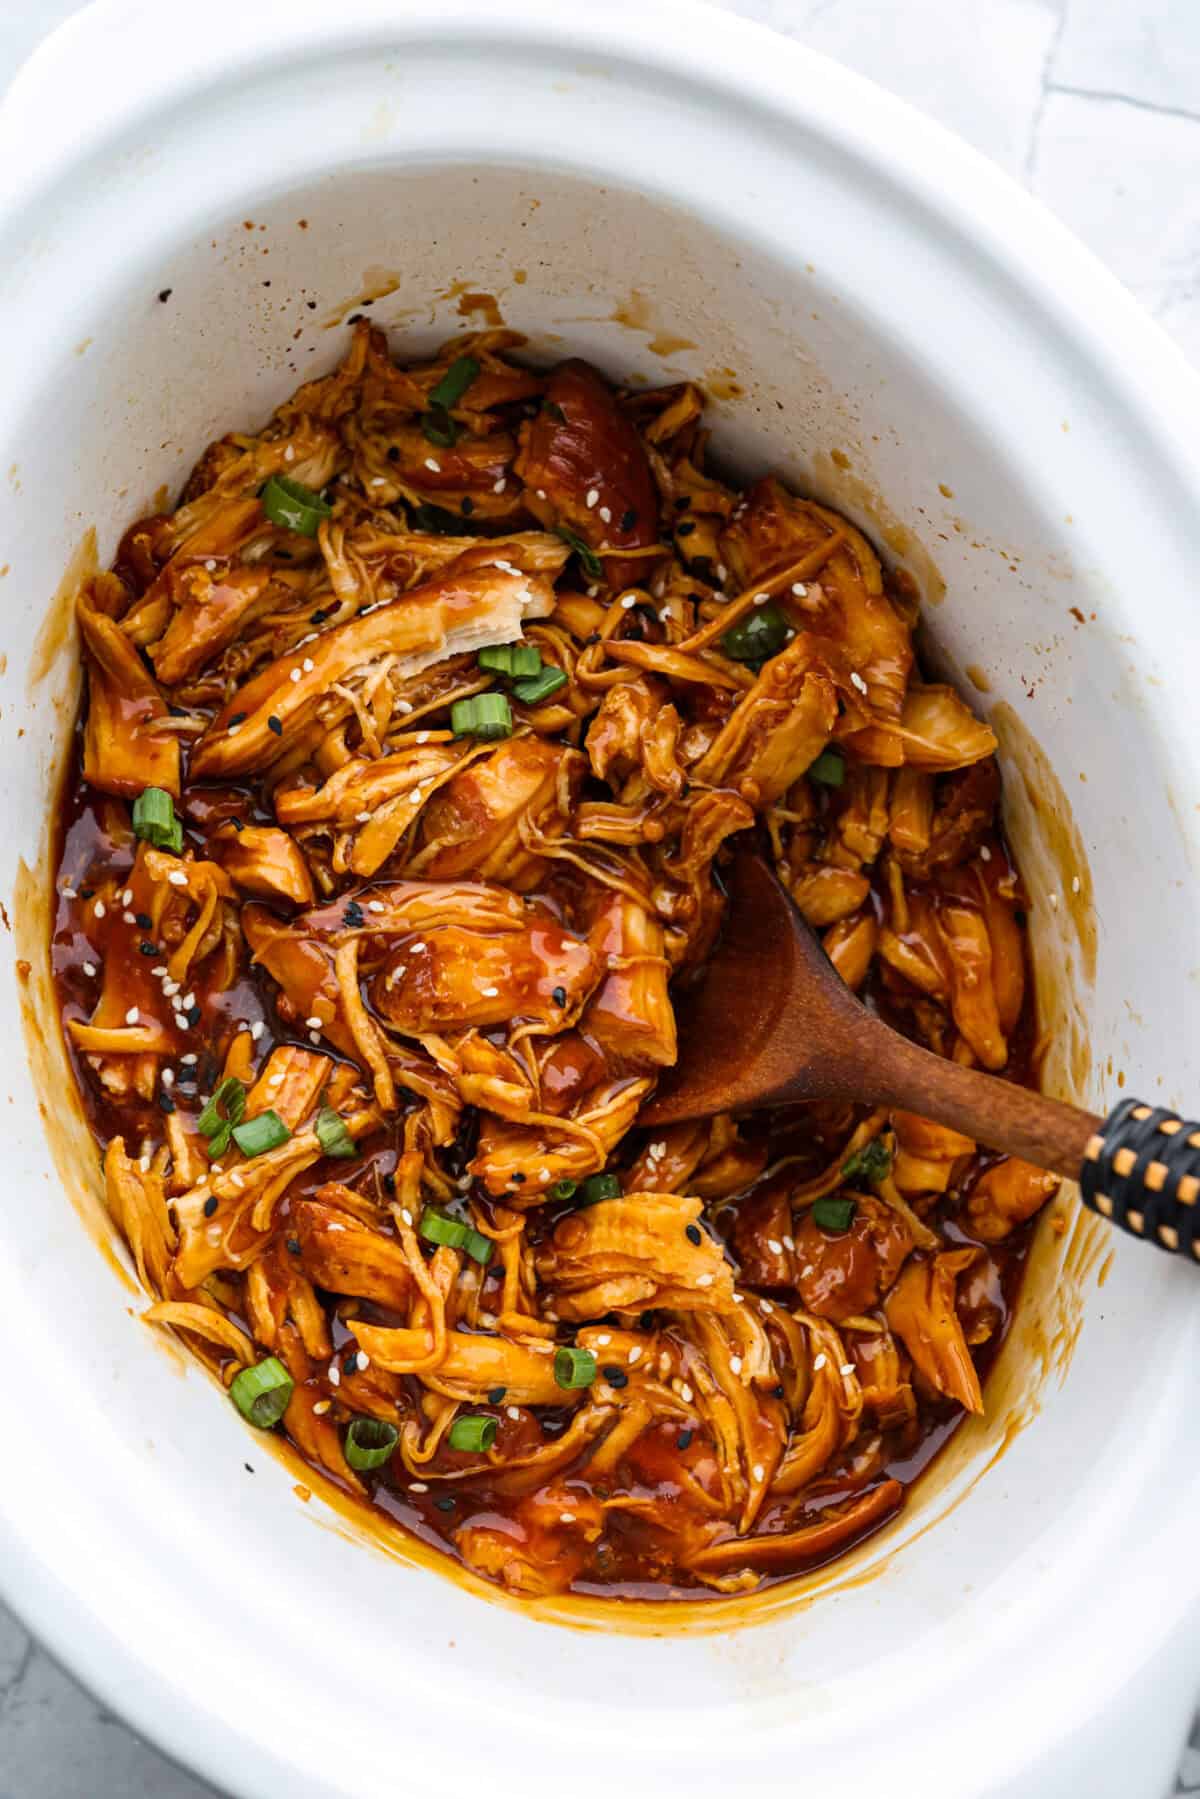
(261, 1393)
(479, 1247)
(455, 382)
(487, 715)
(511, 659)
(574, 1367)
(762, 633)
(586, 554)
(226, 1108)
(473, 1431)
(296, 507)
(833, 1214)
(438, 1227)
(261, 1133)
(532, 693)
(369, 1443)
(829, 768)
(154, 820)
(564, 1189)
(439, 428)
(332, 1134)
(598, 1187)
(870, 1163)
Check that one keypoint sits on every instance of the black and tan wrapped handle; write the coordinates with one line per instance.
(1141, 1170)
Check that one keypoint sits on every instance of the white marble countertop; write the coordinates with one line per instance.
(1095, 106)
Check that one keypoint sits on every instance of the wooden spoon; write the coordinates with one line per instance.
(773, 1023)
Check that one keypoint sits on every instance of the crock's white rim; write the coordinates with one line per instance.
(691, 42)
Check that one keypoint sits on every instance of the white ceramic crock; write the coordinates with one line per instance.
(670, 192)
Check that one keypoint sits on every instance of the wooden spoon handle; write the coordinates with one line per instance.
(1139, 1167)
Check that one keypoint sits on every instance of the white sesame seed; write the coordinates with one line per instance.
(757, 1471)
(144, 1164)
(308, 665)
(277, 1080)
(541, 493)
(170, 988)
(603, 1341)
(89, 969)
(189, 1061)
(704, 1280)
(235, 1180)
(819, 1363)
(181, 1022)
(722, 571)
(129, 918)
(417, 796)
(376, 906)
(566, 1517)
(1053, 898)
(407, 1216)
(606, 514)
(314, 1023)
(739, 1299)
(593, 494)
(168, 1077)
(500, 485)
(431, 462)
(210, 564)
(735, 1364)
(69, 893)
(512, 1412)
(846, 1368)
(685, 1393)
(760, 599)
(364, 1361)
(295, 675)
(99, 908)
(127, 897)
(416, 948)
(592, 591)
(490, 992)
(775, 1246)
(764, 1306)
(321, 1407)
(256, 1030)
(629, 602)
(422, 736)
(131, 1017)
(378, 481)
(417, 1486)
(985, 854)
(799, 589)
(404, 705)
(189, 1000)
(159, 969)
(1074, 883)
(635, 1354)
(789, 1243)
(856, 680)
(232, 730)
(314, 1037)
(335, 1379)
(658, 1150)
(177, 878)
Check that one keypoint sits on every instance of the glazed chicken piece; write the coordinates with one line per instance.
(921, 1311)
(936, 730)
(482, 821)
(342, 1254)
(424, 626)
(266, 863)
(644, 1249)
(777, 731)
(1005, 1195)
(122, 751)
(630, 1017)
(844, 1274)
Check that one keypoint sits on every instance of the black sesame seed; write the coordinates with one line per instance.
(681, 500)
(147, 949)
(559, 996)
(646, 1321)
(518, 1180)
(778, 1392)
(210, 1205)
(693, 1233)
(177, 711)
(318, 617)
(616, 1377)
(444, 1505)
(193, 1015)
(393, 453)
(164, 294)
(293, 1246)
(468, 507)
(389, 1183)
(496, 1395)
(238, 826)
(166, 1103)
(247, 1467)
(350, 1364)
(1019, 919)
(628, 520)
(86, 892)
(353, 915)
(144, 921)
(273, 724)
(685, 1439)
(239, 718)
(685, 527)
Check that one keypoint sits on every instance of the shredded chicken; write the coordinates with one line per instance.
(447, 739)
